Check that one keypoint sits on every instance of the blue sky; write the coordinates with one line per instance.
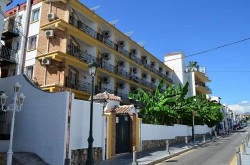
(192, 26)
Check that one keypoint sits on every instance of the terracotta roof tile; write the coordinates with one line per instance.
(101, 96)
(124, 108)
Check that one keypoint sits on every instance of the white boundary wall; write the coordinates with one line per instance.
(40, 127)
(159, 132)
(79, 124)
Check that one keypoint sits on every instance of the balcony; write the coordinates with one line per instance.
(9, 30)
(78, 85)
(99, 89)
(136, 59)
(86, 29)
(123, 96)
(7, 56)
(81, 55)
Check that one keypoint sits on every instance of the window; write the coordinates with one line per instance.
(32, 42)
(18, 45)
(29, 71)
(35, 15)
(20, 20)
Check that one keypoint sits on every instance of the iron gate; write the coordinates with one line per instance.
(123, 137)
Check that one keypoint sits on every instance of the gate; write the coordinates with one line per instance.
(123, 138)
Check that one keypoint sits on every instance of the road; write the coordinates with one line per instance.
(220, 152)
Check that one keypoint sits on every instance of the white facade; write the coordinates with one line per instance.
(41, 127)
(176, 61)
(159, 132)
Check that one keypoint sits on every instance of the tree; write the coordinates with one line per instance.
(193, 65)
(156, 110)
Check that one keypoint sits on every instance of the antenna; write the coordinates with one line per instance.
(94, 8)
(142, 43)
(113, 22)
(129, 34)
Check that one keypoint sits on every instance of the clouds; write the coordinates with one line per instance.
(242, 107)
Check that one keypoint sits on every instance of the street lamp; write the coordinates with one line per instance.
(90, 159)
(16, 106)
(193, 114)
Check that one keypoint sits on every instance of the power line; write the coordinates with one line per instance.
(13, 24)
(209, 50)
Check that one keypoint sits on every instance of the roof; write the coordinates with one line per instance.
(107, 96)
(123, 109)
(173, 53)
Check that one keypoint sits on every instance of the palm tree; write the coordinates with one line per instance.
(193, 65)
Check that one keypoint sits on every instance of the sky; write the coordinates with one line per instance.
(191, 26)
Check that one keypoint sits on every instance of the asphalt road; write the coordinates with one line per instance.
(220, 152)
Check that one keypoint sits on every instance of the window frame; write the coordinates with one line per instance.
(34, 19)
(32, 45)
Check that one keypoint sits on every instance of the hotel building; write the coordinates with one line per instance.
(64, 37)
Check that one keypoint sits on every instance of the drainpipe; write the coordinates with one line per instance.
(24, 39)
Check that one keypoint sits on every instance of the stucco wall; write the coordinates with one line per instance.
(41, 125)
(79, 127)
(159, 132)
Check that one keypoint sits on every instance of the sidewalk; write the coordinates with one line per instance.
(245, 158)
(152, 156)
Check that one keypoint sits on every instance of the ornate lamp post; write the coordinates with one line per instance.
(90, 159)
(16, 106)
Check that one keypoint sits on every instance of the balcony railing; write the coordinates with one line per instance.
(136, 59)
(10, 29)
(77, 84)
(123, 96)
(99, 89)
(86, 29)
(121, 72)
(80, 54)
(8, 55)
(105, 65)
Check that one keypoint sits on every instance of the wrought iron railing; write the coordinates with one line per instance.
(80, 54)
(105, 65)
(78, 85)
(121, 72)
(99, 89)
(8, 54)
(85, 28)
(136, 59)
(123, 96)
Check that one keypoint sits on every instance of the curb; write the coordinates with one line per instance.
(178, 153)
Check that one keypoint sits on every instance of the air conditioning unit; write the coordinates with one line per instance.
(106, 56)
(121, 85)
(105, 80)
(133, 51)
(121, 44)
(153, 80)
(152, 64)
(121, 63)
(134, 70)
(106, 34)
(51, 16)
(49, 33)
(46, 61)
(144, 75)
